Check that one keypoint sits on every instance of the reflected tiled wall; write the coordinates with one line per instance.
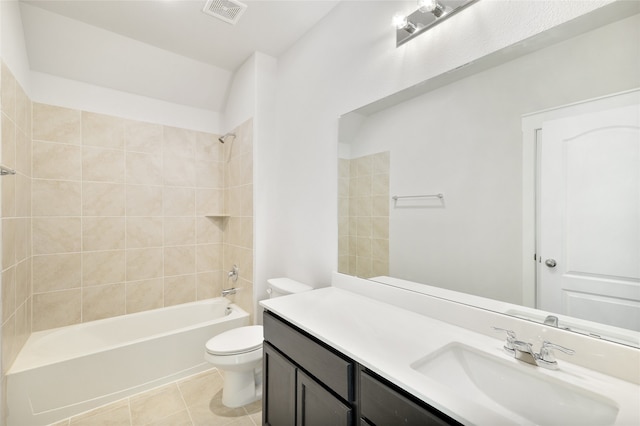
(16, 220)
(363, 215)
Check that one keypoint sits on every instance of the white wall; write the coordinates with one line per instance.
(349, 60)
(14, 53)
(465, 140)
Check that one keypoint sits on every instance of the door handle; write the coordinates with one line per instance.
(551, 263)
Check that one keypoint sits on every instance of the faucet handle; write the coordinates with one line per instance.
(547, 358)
(511, 338)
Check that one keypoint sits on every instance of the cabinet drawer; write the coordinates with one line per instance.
(381, 404)
(329, 368)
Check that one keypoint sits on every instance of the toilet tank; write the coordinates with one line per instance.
(283, 286)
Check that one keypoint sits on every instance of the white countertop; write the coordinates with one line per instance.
(387, 340)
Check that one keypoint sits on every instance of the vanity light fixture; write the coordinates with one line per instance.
(428, 14)
(431, 6)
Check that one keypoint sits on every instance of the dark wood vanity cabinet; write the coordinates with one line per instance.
(307, 383)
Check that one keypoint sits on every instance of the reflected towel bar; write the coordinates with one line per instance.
(6, 171)
(398, 197)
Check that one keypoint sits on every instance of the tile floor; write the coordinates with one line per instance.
(193, 401)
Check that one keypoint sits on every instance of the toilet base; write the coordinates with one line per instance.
(241, 387)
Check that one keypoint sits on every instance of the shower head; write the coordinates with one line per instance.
(223, 139)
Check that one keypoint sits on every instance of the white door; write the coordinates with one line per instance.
(589, 216)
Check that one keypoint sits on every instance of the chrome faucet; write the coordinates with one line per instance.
(523, 351)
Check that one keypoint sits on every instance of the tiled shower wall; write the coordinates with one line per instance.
(16, 220)
(108, 216)
(363, 215)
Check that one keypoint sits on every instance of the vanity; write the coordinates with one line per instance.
(361, 352)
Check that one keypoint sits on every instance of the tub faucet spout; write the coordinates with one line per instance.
(229, 291)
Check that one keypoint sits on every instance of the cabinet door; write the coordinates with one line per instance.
(279, 395)
(382, 405)
(318, 407)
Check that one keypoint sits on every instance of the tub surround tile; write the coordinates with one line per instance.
(144, 200)
(8, 293)
(144, 232)
(56, 235)
(8, 196)
(144, 263)
(103, 199)
(9, 350)
(8, 142)
(209, 257)
(179, 260)
(56, 197)
(145, 295)
(56, 124)
(56, 309)
(143, 137)
(56, 272)
(209, 229)
(179, 201)
(103, 233)
(208, 284)
(179, 231)
(23, 281)
(102, 130)
(144, 168)
(103, 301)
(103, 267)
(209, 201)
(56, 161)
(179, 289)
(103, 165)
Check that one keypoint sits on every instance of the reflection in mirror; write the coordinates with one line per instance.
(461, 135)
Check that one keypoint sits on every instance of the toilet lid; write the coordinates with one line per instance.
(236, 341)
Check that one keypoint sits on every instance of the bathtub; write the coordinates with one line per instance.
(68, 370)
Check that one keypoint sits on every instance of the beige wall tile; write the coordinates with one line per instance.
(102, 130)
(145, 295)
(23, 108)
(209, 229)
(23, 195)
(179, 142)
(380, 249)
(380, 227)
(56, 161)
(23, 153)
(246, 200)
(179, 289)
(8, 184)
(8, 142)
(103, 267)
(380, 206)
(23, 281)
(8, 293)
(144, 263)
(364, 228)
(103, 165)
(9, 346)
(143, 200)
(179, 231)
(209, 257)
(209, 174)
(144, 168)
(23, 238)
(56, 309)
(23, 325)
(144, 232)
(208, 284)
(8, 91)
(179, 201)
(179, 260)
(381, 162)
(209, 201)
(56, 124)
(103, 301)
(103, 199)
(56, 272)
(179, 171)
(364, 165)
(207, 148)
(8, 243)
(103, 233)
(363, 248)
(56, 235)
(143, 137)
(380, 185)
(56, 197)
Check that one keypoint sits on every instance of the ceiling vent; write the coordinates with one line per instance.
(229, 11)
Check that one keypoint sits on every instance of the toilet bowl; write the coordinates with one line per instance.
(237, 353)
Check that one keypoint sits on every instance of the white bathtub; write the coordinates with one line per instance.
(68, 370)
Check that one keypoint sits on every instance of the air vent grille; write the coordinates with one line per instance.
(228, 11)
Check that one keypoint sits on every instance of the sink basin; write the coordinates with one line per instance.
(516, 391)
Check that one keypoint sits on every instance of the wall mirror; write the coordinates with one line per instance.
(438, 184)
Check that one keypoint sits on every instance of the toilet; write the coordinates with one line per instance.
(237, 353)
